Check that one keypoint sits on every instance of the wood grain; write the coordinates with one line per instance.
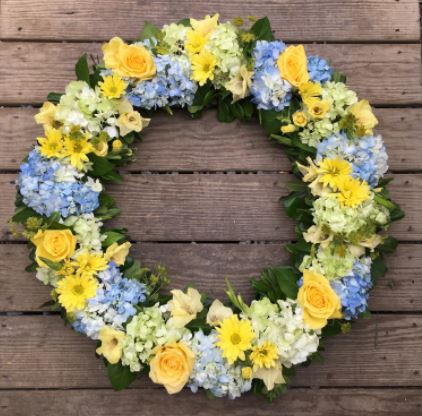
(40, 352)
(208, 145)
(218, 207)
(206, 266)
(329, 20)
(30, 70)
(297, 402)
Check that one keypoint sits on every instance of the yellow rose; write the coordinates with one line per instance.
(184, 307)
(111, 344)
(293, 65)
(46, 114)
(364, 117)
(318, 300)
(172, 366)
(117, 253)
(299, 119)
(288, 128)
(131, 121)
(54, 245)
(134, 61)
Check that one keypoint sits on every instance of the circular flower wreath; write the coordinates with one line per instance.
(339, 202)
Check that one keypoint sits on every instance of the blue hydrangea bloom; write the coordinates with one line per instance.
(367, 155)
(269, 91)
(212, 372)
(41, 190)
(171, 86)
(353, 289)
(319, 69)
(113, 304)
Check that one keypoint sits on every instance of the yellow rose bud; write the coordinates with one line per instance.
(101, 148)
(134, 61)
(293, 65)
(288, 128)
(318, 300)
(54, 245)
(111, 344)
(247, 373)
(172, 366)
(364, 117)
(117, 145)
(317, 108)
(299, 119)
(131, 121)
(117, 253)
(46, 114)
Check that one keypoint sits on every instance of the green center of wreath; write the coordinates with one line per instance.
(338, 199)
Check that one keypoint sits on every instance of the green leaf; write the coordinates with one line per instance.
(82, 69)
(338, 77)
(378, 268)
(269, 121)
(184, 22)
(54, 97)
(120, 376)
(114, 236)
(388, 246)
(262, 29)
(149, 31)
(53, 265)
(23, 213)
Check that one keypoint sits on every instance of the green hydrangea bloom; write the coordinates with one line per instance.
(351, 224)
(174, 37)
(143, 333)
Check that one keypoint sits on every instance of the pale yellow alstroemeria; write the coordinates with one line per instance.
(217, 313)
(270, 376)
(184, 307)
(118, 252)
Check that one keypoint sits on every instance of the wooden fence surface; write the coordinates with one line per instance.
(203, 201)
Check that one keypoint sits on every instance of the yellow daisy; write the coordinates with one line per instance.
(195, 42)
(203, 66)
(352, 192)
(112, 86)
(87, 264)
(235, 337)
(264, 355)
(77, 149)
(74, 291)
(52, 144)
(332, 171)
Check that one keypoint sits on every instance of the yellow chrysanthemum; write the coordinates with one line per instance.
(203, 66)
(74, 291)
(235, 337)
(195, 42)
(352, 192)
(67, 268)
(112, 86)
(52, 144)
(331, 171)
(317, 108)
(264, 355)
(87, 264)
(77, 149)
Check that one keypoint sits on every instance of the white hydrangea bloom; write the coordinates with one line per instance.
(47, 276)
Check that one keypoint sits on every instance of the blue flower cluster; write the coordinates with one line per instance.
(269, 91)
(211, 370)
(319, 69)
(367, 155)
(171, 86)
(113, 304)
(42, 190)
(353, 289)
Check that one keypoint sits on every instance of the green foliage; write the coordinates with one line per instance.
(114, 236)
(120, 376)
(277, 283)
(82, 69)
(54, 97)
(149, 31)
(262, 29)
(56, 266)
(107, 207)
(338, 77)
(184, 22)
(104, 169)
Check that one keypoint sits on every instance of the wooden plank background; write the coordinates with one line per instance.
(203, 201)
